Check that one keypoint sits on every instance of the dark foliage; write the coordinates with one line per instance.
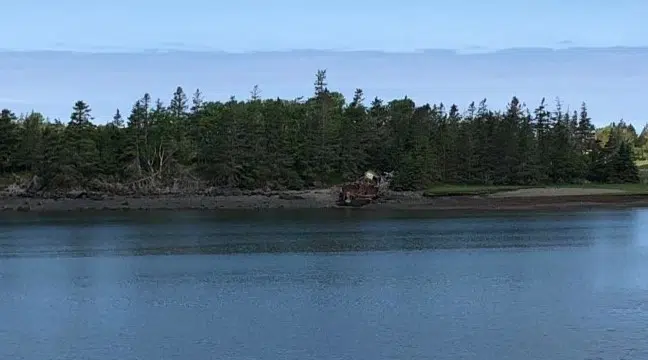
(322, 140)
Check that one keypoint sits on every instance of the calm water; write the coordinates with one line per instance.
(324, 285)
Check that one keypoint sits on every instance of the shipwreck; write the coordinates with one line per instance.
(364, 190)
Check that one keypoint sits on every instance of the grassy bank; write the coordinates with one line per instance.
(627, 189)
(642, 164)
(466, 190)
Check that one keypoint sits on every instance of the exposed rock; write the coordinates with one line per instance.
(14, 190)
(24, 207)
(76, 194)
(96, 196)
(35, 185)
(291, 197)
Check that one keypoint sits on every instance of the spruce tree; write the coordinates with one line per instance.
(624, 169)
(317, 141)
(8, 141)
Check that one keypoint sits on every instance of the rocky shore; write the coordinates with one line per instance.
(79, 200)
(528, 199)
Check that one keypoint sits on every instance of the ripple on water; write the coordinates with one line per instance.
(553, 286)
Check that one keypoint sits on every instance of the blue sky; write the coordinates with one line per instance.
(611, 80)
(244, 25)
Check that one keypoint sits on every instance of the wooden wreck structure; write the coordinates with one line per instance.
(363, 191)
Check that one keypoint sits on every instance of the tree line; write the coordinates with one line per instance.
(313, 142)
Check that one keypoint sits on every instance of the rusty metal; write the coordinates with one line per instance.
(359, 193)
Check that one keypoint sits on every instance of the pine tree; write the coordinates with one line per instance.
(178, 105)
(8, 141)
(118, 120)
(80, 143)
(623, 168)
(317, 141)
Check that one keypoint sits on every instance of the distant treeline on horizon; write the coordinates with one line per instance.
(313, 142)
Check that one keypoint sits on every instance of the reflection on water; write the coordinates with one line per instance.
(324, 285)
(332, 231)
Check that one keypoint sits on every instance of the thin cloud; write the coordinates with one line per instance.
(565, 43)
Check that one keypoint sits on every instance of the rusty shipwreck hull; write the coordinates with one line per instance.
(357, 194)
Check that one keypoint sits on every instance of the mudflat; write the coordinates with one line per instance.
(519, 200)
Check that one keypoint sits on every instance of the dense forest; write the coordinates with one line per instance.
(312, 142)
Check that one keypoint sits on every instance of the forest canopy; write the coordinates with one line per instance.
(313, 142)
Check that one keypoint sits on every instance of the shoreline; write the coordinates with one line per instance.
(539, 200)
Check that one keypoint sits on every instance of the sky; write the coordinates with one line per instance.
(611, 80)
(247, 25)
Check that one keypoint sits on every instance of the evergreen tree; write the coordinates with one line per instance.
(82, 154)
(624, 169)
(317, 141)
(8, 141)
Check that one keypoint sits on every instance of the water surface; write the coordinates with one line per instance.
(324, 285)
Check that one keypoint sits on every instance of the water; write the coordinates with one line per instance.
(324, 285)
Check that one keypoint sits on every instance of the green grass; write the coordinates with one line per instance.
(476, 190)
(465, 190)
(634, 189)
(642, 164)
